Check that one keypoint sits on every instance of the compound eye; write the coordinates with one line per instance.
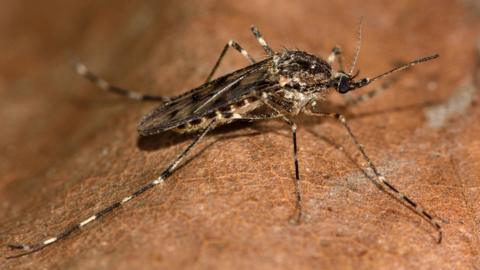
(343, 85)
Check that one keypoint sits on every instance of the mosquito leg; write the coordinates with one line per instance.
(83, 71)
(28, 249)
(336, 54)
(297, 217)
(262, 42)
(269, 101)
(381, 180)
(238, 48)
(298, 191)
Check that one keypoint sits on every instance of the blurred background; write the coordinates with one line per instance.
(67, 149)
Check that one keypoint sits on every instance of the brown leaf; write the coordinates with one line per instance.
(69, 149)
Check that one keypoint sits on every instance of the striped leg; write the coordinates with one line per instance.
(298, 191)
(336, 54)
(382, 181)
(262, 42)
(83, 71)
(277, 108)
(238, 48)
(28, 249)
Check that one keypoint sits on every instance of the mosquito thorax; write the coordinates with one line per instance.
(301, 71)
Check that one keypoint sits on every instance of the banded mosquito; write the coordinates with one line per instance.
(282, 85)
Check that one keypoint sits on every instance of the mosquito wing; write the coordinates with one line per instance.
(202, 100)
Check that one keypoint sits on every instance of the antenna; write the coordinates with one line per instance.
(359, 45)
(408, 65)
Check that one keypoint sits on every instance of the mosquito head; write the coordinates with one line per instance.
(343, 82)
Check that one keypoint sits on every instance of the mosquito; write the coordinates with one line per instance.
(281, 86)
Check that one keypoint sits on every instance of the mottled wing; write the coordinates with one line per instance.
(198, 102)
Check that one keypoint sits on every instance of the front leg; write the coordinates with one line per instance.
(282, 111)
(336, 54)
(231, 44)
(379, 179)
